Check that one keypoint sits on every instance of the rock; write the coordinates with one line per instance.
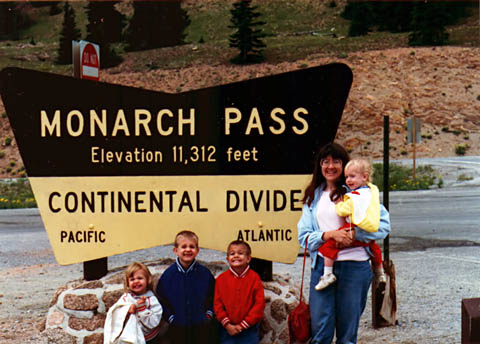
(89, 285)
(272, 288)
(79, 324)
(110, 297)
(96, 338)
(88, 302)
(55, 319)
(278, 310)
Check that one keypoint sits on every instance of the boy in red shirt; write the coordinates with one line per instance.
(239, 298)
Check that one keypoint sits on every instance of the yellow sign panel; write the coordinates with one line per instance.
(92, 217)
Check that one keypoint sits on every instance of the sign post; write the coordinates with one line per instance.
(414, 136)
(86, 65)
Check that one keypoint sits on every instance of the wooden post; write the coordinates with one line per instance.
(95, 269)
(263, 268)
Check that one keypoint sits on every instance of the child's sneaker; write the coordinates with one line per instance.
(325, 281)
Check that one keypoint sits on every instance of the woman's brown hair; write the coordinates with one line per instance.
(336, 151)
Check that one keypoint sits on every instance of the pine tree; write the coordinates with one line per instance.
(53, 8)
(361, 16)
(99, 31)
(68, 34)
(428, 24)
(156, 25)
(13, 18)
(246, 38)
(393, 16)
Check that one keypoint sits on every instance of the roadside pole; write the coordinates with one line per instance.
(384, 299)
(86, 65)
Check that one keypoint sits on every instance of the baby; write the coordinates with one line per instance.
(361, 207)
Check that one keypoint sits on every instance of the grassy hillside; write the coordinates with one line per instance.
(294, 29)
(301, 31)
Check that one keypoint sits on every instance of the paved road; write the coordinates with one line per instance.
(420, 219)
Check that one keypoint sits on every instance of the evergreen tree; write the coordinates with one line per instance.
(103, 28)
(156, 25)
(393, 16)
(428, 24)
(13, 18)
(68, 34)
(53, 8)
(361, 14)
(246, 38)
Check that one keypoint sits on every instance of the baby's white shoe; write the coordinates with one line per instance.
(325, 281)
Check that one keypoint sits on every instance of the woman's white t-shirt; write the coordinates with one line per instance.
(328, 220)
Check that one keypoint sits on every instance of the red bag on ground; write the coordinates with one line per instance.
(299, 318)
(299, 323)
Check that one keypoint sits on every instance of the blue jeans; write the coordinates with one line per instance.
(339, 306)
(248, 336)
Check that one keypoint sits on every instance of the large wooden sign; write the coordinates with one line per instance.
(116, 169)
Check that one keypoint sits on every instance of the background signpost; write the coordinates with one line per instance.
(414, 126)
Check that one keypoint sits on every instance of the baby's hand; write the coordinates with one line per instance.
(141, 300)
(132, 309)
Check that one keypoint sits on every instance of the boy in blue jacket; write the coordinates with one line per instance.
(186, 289)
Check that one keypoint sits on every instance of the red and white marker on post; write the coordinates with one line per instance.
(90, 61)
(86, 60)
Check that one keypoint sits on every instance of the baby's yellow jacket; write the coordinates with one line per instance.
(362, 206)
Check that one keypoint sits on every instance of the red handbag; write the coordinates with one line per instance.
(299, 318)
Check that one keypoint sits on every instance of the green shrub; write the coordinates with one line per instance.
(461, 149)
(7, 141)
(401, 177)
(463, 178)
(16, 193)
(456, 132)
(440, 182)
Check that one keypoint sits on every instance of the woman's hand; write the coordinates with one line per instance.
(344, 237)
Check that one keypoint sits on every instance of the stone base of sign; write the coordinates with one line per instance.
(78, 310)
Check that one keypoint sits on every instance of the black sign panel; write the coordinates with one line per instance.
(265, 126)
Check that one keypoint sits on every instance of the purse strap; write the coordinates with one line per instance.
(303, 269)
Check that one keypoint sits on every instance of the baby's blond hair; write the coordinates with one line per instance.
(130, 271)
(362, 166)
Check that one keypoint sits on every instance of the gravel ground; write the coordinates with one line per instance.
(430, 287)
